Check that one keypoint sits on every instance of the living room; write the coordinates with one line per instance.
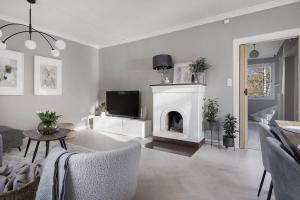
(149, 95)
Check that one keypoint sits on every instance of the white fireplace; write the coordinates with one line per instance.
(177, 111)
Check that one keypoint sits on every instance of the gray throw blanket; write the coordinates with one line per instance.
(52, 182)
(14, 177)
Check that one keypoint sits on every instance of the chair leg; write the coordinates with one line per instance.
(270, 191)
(19, 148)
(261, 182)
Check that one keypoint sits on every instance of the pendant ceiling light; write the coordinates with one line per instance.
(31, 44)
(254, 53)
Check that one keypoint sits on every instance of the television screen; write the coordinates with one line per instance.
(123, 103)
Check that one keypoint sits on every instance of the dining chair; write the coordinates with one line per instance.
(264, 132)
(285, 171)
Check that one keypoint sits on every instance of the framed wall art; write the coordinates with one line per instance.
(11, 73)
(47, 76)
(182, 73)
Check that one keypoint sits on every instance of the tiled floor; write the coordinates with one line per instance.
(210, 174)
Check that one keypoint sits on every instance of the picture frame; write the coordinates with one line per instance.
(182, 73)
(11, 72)
(47, 76)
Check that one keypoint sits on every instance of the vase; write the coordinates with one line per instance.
(200, 77)
(47, 128)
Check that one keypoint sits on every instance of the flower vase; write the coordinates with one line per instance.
(47, 128)
(200, 77)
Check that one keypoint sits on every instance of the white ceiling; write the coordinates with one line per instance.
(102, 23)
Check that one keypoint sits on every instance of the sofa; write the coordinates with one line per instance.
(11, 138)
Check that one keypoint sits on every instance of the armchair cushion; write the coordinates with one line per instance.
(11, 138)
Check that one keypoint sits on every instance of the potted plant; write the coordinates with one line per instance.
(210, 113)
(211, 109)
(101, 109)
(198, 68)
(48, 124)
(230, 128)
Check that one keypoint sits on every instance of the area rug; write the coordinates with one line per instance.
(172, 148)
(13, 156)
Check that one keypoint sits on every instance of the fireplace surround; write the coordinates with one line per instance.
(177, 112)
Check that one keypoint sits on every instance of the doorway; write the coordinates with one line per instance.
(269, 86)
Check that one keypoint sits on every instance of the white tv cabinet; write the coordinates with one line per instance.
(124, 126)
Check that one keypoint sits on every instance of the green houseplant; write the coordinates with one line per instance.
(48, 124)
(211, 109)
(198, 68)
(230, 128)
(210, 113)
(101, 109)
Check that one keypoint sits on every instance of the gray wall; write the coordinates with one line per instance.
(129, 66)
(80, 77)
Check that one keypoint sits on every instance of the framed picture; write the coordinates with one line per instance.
(47, 76)
(182, 73)
(11, 73)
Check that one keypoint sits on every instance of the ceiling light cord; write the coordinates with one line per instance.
(30, 25)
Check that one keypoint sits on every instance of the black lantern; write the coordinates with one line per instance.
(162, 63)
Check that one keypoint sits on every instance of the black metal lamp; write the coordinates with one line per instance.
(162, 63)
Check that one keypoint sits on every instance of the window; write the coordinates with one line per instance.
(260, 81)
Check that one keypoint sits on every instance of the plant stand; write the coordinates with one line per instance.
(213, 126)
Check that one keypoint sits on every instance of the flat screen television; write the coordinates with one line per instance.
(123, 103)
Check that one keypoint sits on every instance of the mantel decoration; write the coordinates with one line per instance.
(30, 44)
(198, 69)
(182, 74)
(48, 124)
(162, 63)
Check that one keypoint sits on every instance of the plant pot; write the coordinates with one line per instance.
(103, 114)
(47, 128)
(228, 141)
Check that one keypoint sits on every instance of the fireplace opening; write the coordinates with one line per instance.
(175, 122)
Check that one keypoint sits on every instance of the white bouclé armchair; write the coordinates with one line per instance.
(109, 175)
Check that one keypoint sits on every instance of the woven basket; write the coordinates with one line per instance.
(27, 192)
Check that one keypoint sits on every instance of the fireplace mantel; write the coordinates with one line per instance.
(186, 99)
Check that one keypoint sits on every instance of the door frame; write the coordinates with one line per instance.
(279, 35)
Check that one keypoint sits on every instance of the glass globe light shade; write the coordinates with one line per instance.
(60, 44)
(30, 44)
(1, 33)
(2, 45)
(55, 53)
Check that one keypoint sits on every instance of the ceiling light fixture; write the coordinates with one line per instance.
(254, 53)
(30, 44)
